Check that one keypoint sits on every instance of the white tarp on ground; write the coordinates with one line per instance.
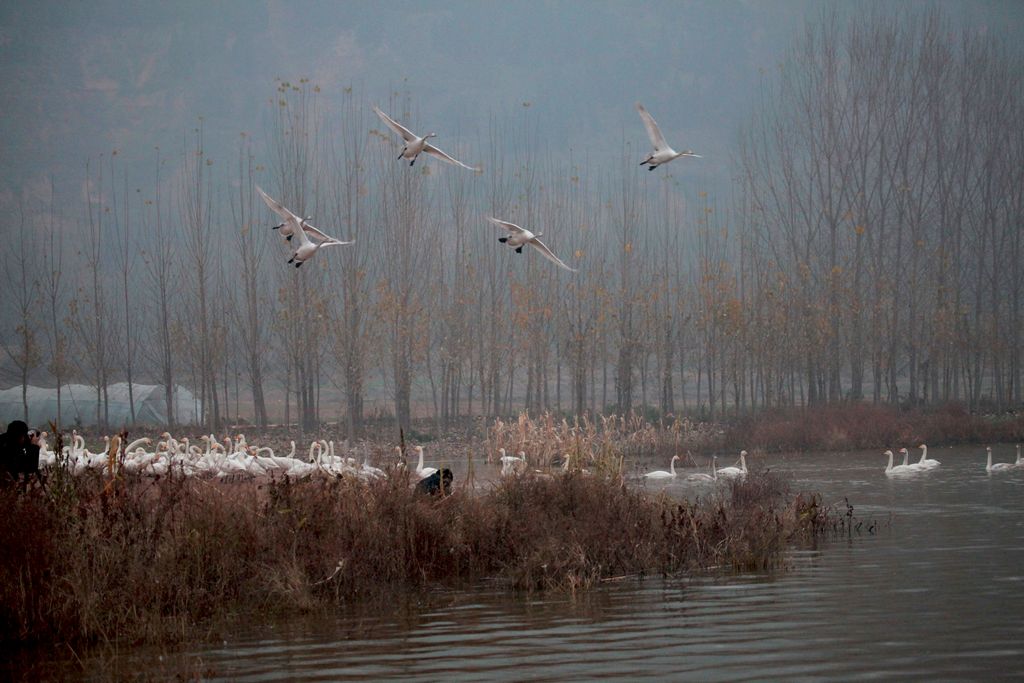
(78, 404)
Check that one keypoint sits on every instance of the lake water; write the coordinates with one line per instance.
(936, 594)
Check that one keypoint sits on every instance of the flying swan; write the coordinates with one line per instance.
(520, 236)
(415, 145)
(662, 153)
(293, 225)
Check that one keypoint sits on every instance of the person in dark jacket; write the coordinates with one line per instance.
(18, 455)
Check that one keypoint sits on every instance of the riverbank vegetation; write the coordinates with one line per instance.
(93, 559)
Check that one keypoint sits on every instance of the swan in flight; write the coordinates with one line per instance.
(421, 471)
(899, 469)
(662, 153)
(740, 471)
(289, 221)
(662, 474)
(293, 225)
(924, 462)
(415, 145)
(520, 236)
(999, 466)
(308, 248)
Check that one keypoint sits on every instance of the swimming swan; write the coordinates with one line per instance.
(662, 474)
(924, 462)
(999, 466)
(899, 469)
(422, 471)
(700, 476)
(740, 471)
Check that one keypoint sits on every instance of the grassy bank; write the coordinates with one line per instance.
(87, 560)
(852, 426)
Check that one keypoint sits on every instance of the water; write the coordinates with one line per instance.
(936, 593)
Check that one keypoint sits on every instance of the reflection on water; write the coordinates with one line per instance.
(939, 593)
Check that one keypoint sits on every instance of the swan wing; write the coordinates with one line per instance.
(278, 208)
(653, 132)
(444, 156)
(398, 128)
(511, 227)
(320, 236)
(549, 255)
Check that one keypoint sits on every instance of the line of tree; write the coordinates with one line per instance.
(870, 248)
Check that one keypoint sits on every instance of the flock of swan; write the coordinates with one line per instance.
(700, 477)
(229, 457)
(311, 240)
(925, 463)
(225, 458)
(234, 457)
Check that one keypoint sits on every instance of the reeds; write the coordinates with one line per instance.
(149, 560)
(858, 425)
(605, 442)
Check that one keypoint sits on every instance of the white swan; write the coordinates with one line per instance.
(422, 471)
(662, 153)
(415, 145)
(700, 476)
(662, 474)
(289, 221)
(740, 471)
(906, 460)
(293, 225)
(999, 466)
(925, 462)
(520, 236)
(308, 248)
(1019, 463)
(511, 463)
(898, 469)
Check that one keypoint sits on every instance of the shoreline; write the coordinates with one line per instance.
(140, 560)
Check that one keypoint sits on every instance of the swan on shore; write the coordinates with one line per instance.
(662, 153)
(416, 145)
(518, 237)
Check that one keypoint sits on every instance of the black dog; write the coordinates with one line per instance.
(439, 482)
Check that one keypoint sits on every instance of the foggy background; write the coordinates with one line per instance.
(108, 105)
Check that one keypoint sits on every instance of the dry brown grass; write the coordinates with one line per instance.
(852, 426)
(151, 560)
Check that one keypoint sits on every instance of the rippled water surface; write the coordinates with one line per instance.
(936, 593)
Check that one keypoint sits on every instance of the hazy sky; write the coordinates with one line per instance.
(83, 78)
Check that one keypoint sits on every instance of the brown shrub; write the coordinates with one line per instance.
(87, 559)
